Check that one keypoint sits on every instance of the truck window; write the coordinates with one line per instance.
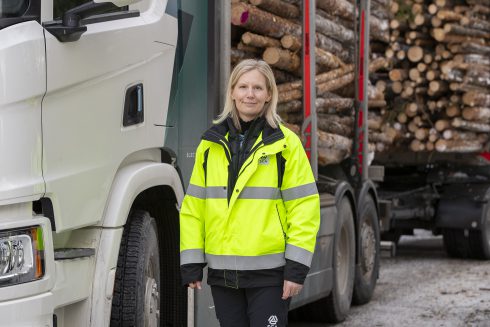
(13, 8)
(61, 6)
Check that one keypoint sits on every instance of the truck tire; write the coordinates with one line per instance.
(366, 273)
(339, 300)
(136, 296)
(474, 244)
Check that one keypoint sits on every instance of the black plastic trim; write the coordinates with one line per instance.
(110, 17)
(134, 105)
(73, 253)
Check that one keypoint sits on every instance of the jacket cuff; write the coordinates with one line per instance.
(191, 272)
(295, 272)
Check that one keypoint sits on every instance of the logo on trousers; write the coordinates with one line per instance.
(272, 321)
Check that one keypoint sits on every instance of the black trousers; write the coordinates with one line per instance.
(250, 307)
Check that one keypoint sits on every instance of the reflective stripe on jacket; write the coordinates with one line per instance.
(264, 221)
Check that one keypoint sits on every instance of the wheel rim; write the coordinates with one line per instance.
(343, 259)
(152, 294)
(152, 301)
(368, 245)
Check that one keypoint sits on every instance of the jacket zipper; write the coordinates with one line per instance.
(280, 223)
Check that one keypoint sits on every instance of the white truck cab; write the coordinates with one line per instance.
(82, 126)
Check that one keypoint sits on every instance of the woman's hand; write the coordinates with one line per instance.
(290, 289)
(196, 284)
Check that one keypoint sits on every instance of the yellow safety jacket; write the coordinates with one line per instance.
(264, 220)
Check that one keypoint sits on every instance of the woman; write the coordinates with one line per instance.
(251, 212)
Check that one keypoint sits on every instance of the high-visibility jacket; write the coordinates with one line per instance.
(272, 213)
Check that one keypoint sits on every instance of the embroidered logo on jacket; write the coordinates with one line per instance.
(264, 160)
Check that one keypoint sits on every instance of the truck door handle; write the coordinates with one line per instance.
(134, 106)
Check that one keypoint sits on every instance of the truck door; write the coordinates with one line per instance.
(22, 86)
(124, 58)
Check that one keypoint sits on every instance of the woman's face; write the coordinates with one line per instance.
(250, 95)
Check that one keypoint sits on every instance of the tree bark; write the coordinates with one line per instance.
(459, 146)
(278, 7)
(291, 42)
(336, 124)
(334, 30)
(476, 99)
(480, 114)
(290, 95)
(291, 106)
(262, 22)
(259, 41)
(470, 126)
(337, 105)
(327, 59)
(282, 59)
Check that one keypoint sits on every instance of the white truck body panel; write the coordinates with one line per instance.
(84, 137)
(22, 86)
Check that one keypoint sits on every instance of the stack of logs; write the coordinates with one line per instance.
(271, 30)
(441, 80)
(437, 86)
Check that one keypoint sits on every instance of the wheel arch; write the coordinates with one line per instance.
(141, 182)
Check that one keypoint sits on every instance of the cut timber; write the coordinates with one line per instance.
(291, 106)
(415, 54)
(262, 22)
(458, 146)
(398, 74)
(290, 95)
(239, 55)
(282, 76)
(460, 30)
(449, 15)
(291, 42)
(278, 7)
(442, 124)
(477, 113)
(476, 99)
(417, 146)
(332, 148)
(259, 41)
(333, 74)
(333, 46)
(334, 30)
(470, 126)
(338, 105)
(452, 134)
(283, 59)
(335, 84)
(452, 111)
(327, 59)
(341, 8)
(248, 48)
(336, 124)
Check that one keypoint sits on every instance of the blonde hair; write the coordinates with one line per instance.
(270, 108)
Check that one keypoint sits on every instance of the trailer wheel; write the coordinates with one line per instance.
(339, 300)
(367, 270)
(461, 243)
(136, 296)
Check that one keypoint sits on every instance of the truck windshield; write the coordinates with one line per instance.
(13, 8)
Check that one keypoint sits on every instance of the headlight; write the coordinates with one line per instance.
(21, 255)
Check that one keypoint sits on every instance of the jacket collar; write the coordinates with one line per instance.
(217, 133)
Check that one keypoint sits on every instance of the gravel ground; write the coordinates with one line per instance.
(421, 286)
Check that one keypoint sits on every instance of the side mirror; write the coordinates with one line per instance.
(70, 28)
(119, 3)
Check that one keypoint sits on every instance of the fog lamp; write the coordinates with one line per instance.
(21, 255)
